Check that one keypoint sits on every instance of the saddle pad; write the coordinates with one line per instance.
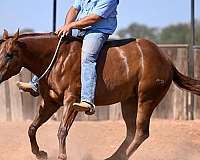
(118, 42)
(109, 43)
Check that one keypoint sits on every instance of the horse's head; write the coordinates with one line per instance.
(9, 56)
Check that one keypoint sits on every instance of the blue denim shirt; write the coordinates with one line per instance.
(107, 9)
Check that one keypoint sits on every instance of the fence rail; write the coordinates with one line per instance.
(196, 47)
(15, 105)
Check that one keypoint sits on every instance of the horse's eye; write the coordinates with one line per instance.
(9, 55)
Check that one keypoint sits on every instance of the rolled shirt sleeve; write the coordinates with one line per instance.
(77, 4)
(104, 8)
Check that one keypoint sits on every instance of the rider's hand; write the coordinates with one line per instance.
(64, 30)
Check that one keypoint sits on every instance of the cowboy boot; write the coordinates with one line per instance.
(27, 87)
(86, 107)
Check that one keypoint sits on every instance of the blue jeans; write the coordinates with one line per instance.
(34, 83)
(93, 42)
(92, 45)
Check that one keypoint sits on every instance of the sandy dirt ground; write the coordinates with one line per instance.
(169, 140)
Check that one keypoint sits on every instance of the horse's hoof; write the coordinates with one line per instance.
(42, 155)
(62, 157)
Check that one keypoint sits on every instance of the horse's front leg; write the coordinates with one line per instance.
(45, 111)
(69, 115)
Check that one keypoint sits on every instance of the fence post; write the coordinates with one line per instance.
(191, 74)
(197, 76)
(15, 99)
(191, 61)
(3, 109)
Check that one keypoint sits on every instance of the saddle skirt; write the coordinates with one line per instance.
(118, 42)
(109, 43)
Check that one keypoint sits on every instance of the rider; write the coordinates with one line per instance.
(95, 20)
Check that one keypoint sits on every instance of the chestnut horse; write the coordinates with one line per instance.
(133, 72)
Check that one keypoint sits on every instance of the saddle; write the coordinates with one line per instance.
(118, 42)
(109, 43)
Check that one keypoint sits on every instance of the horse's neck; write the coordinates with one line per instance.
(38, 53)
(41, 49)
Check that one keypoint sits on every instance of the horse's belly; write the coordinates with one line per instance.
(114, 91)
(117, 76)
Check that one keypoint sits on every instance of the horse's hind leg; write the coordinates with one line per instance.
(129, 113)
(144, 113)
(46, 110)
(149, 97)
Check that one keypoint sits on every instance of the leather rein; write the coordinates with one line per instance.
(53, 59)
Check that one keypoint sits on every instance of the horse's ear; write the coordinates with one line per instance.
(5, 34)
(16, 35)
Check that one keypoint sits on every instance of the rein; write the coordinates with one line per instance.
(53, 59)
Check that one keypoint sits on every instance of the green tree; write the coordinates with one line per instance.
(198, 33)
(139, 31)
(179, 33)
(26, 30)
(176, 34)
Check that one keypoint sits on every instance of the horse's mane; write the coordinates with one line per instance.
(50, 35)
(26, 35)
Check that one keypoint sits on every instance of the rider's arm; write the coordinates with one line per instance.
(85, 22)
(103, 9)
(73, 12)
(71, 15)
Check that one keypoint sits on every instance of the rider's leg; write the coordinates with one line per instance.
(92, 45)
(34, 83)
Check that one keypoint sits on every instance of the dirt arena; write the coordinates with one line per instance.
(169, 140)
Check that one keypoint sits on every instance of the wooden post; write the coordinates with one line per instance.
(15, 99)
(180, 95)
(191, 61)
(27, 99)
(190, 107)
(3, 111)
(197, 76)
(115, 112)
(103, 113)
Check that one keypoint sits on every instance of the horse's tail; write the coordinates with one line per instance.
(186, 82)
